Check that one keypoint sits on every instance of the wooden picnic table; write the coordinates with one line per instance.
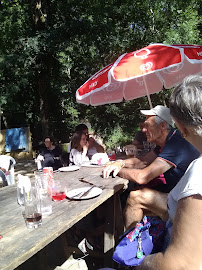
(18, 243)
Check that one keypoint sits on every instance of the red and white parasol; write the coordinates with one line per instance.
(141, 73)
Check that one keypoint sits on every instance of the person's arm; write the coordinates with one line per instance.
(93, 143)
(143, 176)
(149, 157)
(39, 158)
(135, 163)
(138, 144)
(185, 249)
(85, 150)
(99, 148)
(116, 166)
(78, 157)
(41, 155)
(59, 151)
(75, 157)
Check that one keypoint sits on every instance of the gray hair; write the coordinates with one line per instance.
(186, 103)
(159, 120)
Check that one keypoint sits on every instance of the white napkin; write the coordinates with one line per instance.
(23, 181)
(100, 158)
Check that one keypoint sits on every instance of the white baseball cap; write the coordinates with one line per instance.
(162, 112)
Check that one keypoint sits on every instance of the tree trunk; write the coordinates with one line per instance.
(40, 10)
(44, 111)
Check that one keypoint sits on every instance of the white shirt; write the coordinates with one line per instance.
(77, 158)
(190, 184)
(91, 151)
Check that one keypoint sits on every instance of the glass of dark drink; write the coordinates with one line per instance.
(33, 215)
(58, 191)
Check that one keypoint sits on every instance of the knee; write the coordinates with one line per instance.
(135, 197)
(139, 196)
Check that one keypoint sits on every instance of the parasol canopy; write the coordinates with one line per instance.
(141, 73)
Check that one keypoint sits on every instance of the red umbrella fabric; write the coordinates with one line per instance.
(140, 73)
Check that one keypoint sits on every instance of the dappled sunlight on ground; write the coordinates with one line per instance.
(25, 167)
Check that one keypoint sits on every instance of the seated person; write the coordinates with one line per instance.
(79, 148)
(140, 143)
(140, 138)
(3, 176)
(184, 202)
(5, 166)
(94, 147)
(173, 159)
(50, 155)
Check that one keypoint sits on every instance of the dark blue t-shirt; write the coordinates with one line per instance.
(179, 153)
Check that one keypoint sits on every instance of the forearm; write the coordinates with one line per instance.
(84, 154)
(133, 175)
(99, 148)
(172, 258)
(134, 163)
(154, 262)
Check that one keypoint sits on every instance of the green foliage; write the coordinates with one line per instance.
(184, 30)
(49, 50)
(117, 138)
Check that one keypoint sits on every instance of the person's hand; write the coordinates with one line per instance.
(114, 167)
(85, 147)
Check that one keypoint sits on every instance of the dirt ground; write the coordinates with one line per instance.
(25, 167)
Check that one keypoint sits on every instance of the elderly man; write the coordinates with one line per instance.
(172, 160)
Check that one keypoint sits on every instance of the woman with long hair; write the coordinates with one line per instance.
(79, 148)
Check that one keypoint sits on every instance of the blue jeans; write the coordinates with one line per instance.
(3, 176)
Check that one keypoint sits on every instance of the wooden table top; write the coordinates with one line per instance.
(18, 243)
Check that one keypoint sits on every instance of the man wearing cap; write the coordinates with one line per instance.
(172, 160)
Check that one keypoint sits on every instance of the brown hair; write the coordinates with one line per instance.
(76, 138)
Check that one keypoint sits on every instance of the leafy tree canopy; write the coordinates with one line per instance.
(50, 48)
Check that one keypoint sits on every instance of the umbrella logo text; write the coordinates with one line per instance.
(143, 54)
(92, 84)
(146, 66)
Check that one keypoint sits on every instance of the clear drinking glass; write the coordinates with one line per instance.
(45, 192)
(131, 150)
(33, 215)
(20, 196)
(59, 191)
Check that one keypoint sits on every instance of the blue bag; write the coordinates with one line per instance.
(138, 242)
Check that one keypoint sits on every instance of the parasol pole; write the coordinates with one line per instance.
(150, 103)
(148, 95)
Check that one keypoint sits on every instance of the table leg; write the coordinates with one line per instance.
(113, 218)
(119, 222)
